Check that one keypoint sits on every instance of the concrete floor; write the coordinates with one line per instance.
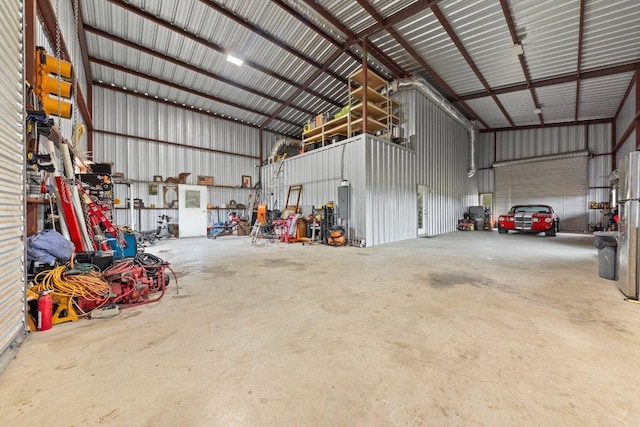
(469, 328)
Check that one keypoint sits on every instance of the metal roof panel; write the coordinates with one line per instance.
(600, 97)
(483, 30)
(520, 107)
(611, 33)
(558, 102)
(549, 32)
(488, 111)
(425, 34)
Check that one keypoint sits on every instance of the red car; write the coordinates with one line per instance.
(529, 218)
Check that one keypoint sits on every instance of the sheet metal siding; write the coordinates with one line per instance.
(600, 138)
(627, 113)
(140, 160)
(146, 219)
(599, 168)
(12, 217)
(561, 183)
(442, 152)
(520, 144)
(391, 193)
(320, 172)
(131, 115)
(381, 177)
(627, 147)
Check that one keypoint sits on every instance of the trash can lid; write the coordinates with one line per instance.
(605, 238)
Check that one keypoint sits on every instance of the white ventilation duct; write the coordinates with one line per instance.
(430, 92)
(281, 143)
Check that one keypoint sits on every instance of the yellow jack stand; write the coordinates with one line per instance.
(65, 311)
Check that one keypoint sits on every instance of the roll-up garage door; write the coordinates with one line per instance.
(12, 274)
(561, 183)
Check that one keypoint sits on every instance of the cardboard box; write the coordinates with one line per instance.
(319, 120)
(205, 180)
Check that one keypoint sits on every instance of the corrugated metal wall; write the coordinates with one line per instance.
(624, 119)
(600, 145)
(382, 180)
(320, 172)
(442, 150)
(12, 217)
(391, 197)
(627, 112)
(140, 160)
(513, 145)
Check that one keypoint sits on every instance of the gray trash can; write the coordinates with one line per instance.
(607, 244)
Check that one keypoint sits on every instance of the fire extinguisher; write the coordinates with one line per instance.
(45, 308)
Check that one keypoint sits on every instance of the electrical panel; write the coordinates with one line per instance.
(343, 202)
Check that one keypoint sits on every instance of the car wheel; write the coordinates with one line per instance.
(503, 230)
(552, 231)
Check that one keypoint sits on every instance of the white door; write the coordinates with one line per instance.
(422, 211)
(192, 210)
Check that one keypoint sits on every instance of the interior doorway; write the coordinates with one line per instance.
(192, 210)
(422, 210)
(486, 200)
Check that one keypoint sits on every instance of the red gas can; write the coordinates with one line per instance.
(45, 309)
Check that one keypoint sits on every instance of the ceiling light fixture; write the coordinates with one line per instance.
(517, 49)
(537, 111)
(234, 60)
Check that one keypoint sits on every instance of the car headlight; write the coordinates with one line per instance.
(536, 219)
(501, 218)
(547, 220)
(512, 219)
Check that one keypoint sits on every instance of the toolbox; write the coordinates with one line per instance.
(127, 252)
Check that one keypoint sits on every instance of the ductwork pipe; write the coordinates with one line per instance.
(430, 92)
(567, 155)
(281, 143)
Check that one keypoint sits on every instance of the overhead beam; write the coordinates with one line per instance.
(550, 125)
(182, 88)
(174, 144)
(176, 105)
(265, 35)
(398, 17)
(50, 22)
(168, 25)
(395, 69)
(579, 61)
(633, 126)
(84, 50)
(188, 66)
(506, 11)
(374, 13)
(554, 80)
(291, 11)
(465, 54)
(309, 81)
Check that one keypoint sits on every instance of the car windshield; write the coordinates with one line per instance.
(530, 209)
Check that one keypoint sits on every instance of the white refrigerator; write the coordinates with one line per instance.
(629, 214)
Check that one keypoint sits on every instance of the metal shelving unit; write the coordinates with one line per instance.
(381, 114)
